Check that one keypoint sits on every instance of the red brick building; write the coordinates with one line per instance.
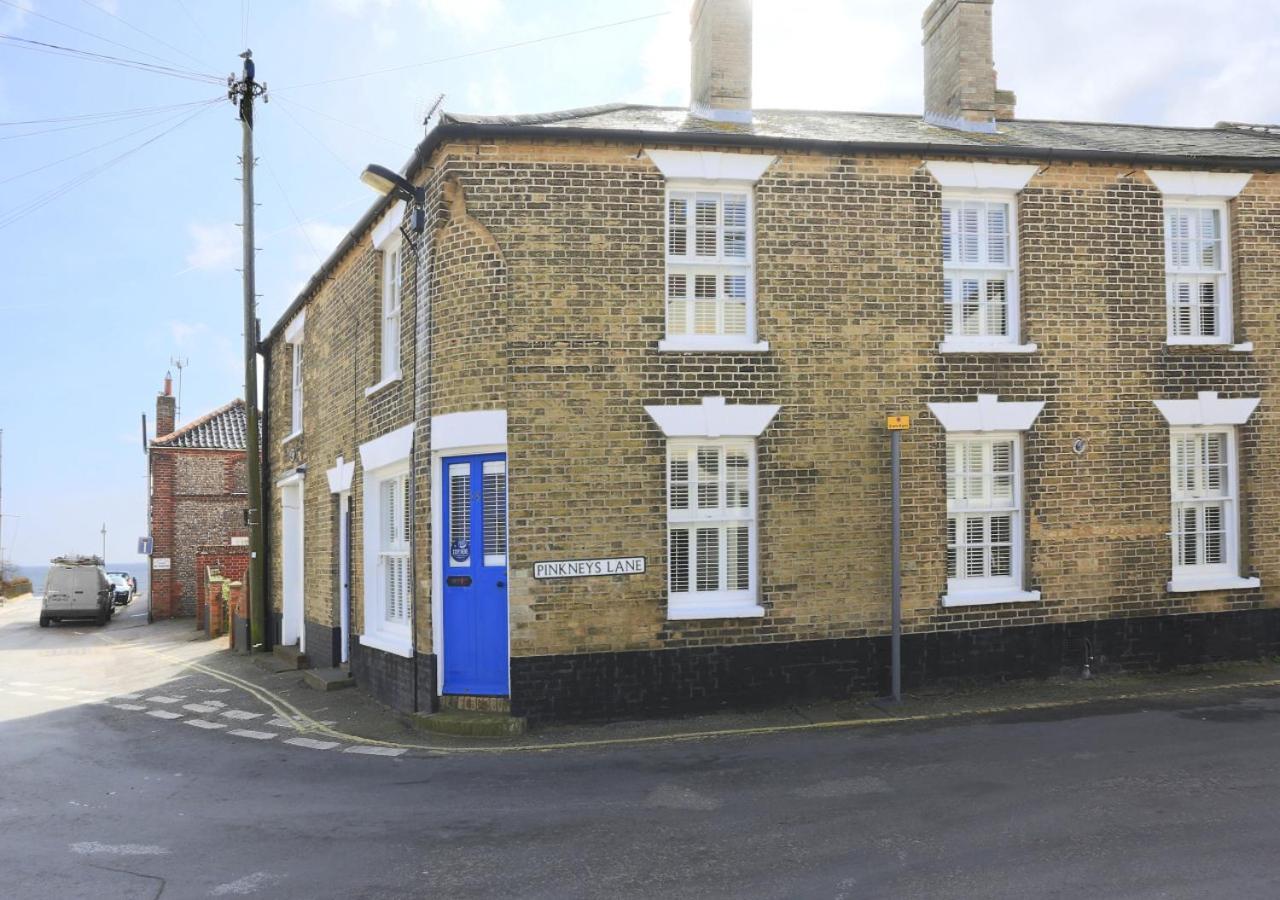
(198, 497)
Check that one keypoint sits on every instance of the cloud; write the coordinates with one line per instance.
(182, 332)
(216, 246)
(468, 15)
(493, 95)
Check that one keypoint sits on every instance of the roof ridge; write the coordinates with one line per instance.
(196, 423)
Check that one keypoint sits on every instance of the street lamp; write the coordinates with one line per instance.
(393, 184)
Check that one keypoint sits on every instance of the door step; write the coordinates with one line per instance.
(468, 723)
(328, 679)
(472, 703)
(291, 657)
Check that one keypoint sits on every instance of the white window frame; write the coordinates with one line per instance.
(394, 550)
(962, 590)
(722, 602)
(295, 389)
(1208, 413)
(383, 459)
(719, 266)
(390, 321)
(990, 418)
(956, 342)
(1222, 276)
(695, 171)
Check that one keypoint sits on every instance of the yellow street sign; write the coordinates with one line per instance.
(899, 423)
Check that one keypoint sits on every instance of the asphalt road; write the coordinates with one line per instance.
(1173, 799)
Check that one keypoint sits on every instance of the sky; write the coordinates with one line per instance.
(119, 245)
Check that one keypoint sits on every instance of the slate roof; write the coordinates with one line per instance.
(222, 429)
(1228, 141)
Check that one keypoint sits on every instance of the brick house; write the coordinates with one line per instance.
(608, 436)
(198, 497)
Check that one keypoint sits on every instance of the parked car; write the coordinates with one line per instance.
(122, 586)
(77, 587)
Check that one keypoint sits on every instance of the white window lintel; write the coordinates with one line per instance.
(713, 418)
(484, 428)
(710, 165)
(1200, 185)
(987, 414)
(340, 475)
(1207, 409)
(387, 450)
(293, 331)
(387, 231)
(974, 176)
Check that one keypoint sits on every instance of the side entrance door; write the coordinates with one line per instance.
(474, 551)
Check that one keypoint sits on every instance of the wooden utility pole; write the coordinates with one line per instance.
(243, 93)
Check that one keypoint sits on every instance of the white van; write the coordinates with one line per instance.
(76, 587)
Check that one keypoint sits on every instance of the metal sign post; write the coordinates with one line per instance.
(896, 425)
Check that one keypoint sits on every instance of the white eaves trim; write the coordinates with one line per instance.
(971, 176)
(452, 431)
(712, 418)
(1207, 409)
(293, 331)
(989, 598)
(987, 413)
(1203, 185)
(388, 449)
(709, 165)
(388, 226)
(1190, 584)
(340, 476)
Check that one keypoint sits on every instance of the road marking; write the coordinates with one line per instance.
(164, 714)
(376, 751)
(93, 847)
(132, 707)
(256, 735)
(200, 707)
(163, 699)
(311, 743)
(240, 714)
(202, 723)
(279, 722)
(249, 884)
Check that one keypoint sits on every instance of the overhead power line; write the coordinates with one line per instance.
(142, 113)
(90, 56)
(22, 211)
(76, 28)
(324, 115)
(111, 114)
(468, 55)
(146, 34)
(114, 140)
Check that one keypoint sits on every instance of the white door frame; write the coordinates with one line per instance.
(461, 434)
(344, 574)
(292, 562)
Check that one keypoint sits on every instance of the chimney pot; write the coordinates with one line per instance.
(959, 67)
(720, 38)
(166, 410)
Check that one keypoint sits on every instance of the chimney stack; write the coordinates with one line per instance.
(959, 67)
(165, 406)
(720, 36)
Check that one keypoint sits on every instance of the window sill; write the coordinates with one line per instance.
(989, 598)
(727, 611)
(985, 347)
(693, 345)
(1186, 584)
(297, 434)
(1201, 342)
(400, 646)
(1246, 347)
(384, 383)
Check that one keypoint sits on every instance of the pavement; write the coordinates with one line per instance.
(136, 761)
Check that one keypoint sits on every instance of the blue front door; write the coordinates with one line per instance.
(475, 574)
